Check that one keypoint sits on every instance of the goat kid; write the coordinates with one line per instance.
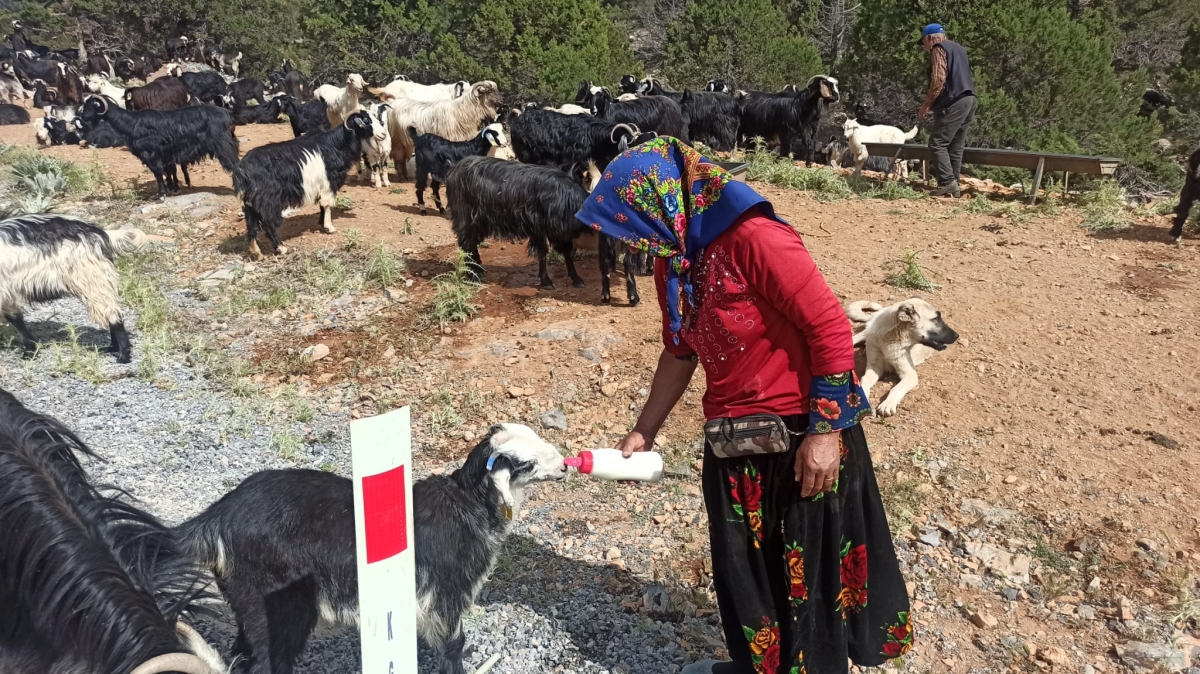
(280, 526)
(294, 173)
(859, 135)
(45, 257)
(378, 148)
(436, 156)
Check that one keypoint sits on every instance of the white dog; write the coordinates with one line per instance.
(898, 339)
(858, 134)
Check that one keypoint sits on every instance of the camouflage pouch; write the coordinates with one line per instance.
(747, 436)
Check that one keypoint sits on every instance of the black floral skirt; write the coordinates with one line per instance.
(804, 584)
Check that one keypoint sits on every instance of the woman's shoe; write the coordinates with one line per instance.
(701, 667)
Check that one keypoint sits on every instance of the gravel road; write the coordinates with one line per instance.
(178, 448)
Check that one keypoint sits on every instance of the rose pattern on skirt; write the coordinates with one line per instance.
(853, 596)
(745, 492)
(795, 563)
(900, 637)
(764, 646)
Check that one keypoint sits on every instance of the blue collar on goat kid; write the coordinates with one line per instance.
(514, 457)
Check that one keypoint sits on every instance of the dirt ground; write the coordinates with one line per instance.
(1070, 399)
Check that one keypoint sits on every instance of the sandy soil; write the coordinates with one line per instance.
(1070, 399)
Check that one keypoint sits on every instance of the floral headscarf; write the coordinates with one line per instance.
(662, 197)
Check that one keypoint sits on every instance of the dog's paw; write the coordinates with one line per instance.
(886, 408)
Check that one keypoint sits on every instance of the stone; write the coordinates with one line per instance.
(591, 355)
(1094, 585)
(395, 295)
(1054, 655)
(517, 392)
(1124, 614)
(1030, 648)
(609, 389)
(559, 334)
(534, 530)
(612, 554)
(1143, 658)
(1011, 479)
(555, 419)
(1011, 593)
(983, 620)
(660, 519)
(1162, 440)
(468, 435)
(1146, 544)
(933, 539)
(1085, 612)
(990, 514)
(1001, 562)
(315, 352)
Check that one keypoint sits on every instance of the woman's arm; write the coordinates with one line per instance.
(671, 379)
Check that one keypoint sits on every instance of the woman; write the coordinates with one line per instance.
(796, 524)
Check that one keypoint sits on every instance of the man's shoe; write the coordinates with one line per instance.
(950, 190)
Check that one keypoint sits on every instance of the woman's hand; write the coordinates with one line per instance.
(634, 442)
(817, 462)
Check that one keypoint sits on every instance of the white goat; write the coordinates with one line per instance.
(378, 147)
(455, 120)
(41, 132)
(571, 109)
(341, 102)
(858, 135)
(99, 84)
(45, 257)
(401, 87)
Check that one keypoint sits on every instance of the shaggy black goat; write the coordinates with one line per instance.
(207, 86)
(291, 82)
(305, 118)
(98, 133)
(88, 582)
(62, 132)
(282, 546)
(163, 139)
(44, 94)
(99, 64)
(177, 48)
(786, 120)
(629, 84)
(45, 257)
(306, 170)
(263, 113)
(712, 118)
(494, 198)
(652, 87)
(246, 89)
(21, 42)
(648, 113)
(583, 97)
(13, 114)
(718, 86)
(436, 156)
(137, 67)
(1187, 196)
(164, 93)
(562, 141)
(30, 69)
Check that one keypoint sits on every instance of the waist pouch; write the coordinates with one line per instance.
(748, 436)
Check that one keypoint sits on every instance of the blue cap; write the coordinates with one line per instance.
(931, 29)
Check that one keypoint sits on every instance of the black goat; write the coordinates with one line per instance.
(629, 84)
(137, 67)
(306, 170)
(718, 86)
(98, 133)
(282, 546)
(583, 97)
(291, 82)
(652, 87)
(248, 88)
(43, 94)
(264, 113)
(162, 139)
(13, 114)
(659, 114)
(62, 132)
(21, 42)
(787, 120)
(177, 48)
(88, 582)
(305, 118)
(435, 157)
(100, 64)
(1187, 196)
(207, 86)
(494, 198)
(562, 141)
(164, 93)
(712, 118)
(863, 117)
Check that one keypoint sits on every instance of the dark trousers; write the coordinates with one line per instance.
(949, 133)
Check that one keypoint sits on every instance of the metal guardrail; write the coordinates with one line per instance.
(1038, 162)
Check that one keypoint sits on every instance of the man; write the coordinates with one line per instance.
(952, 99)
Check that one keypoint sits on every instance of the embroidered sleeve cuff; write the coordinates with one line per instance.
(836, 401)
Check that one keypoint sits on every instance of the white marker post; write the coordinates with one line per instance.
(381, 451)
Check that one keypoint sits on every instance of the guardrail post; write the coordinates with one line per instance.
(1037, 180)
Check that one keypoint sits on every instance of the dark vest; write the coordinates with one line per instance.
(958, 74)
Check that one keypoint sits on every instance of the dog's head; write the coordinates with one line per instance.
(517, 457)
(926, 324)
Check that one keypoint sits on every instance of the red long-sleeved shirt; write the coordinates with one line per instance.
(766, 324)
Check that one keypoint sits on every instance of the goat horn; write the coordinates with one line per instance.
(104, 102)
(628, 127)
(174, 662)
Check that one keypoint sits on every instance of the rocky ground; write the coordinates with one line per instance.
(1041, 482)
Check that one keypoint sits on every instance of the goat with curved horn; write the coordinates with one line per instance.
(186, 663)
